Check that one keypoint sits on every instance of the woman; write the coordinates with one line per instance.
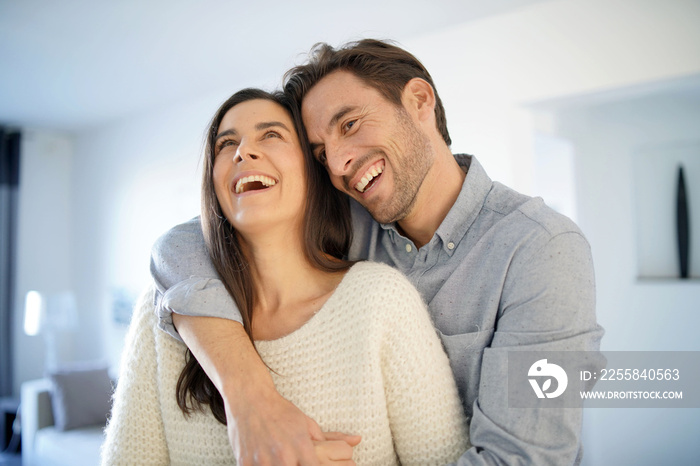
(277, 231)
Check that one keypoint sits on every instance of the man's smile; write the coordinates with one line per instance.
(369, 176)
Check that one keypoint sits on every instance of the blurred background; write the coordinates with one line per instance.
(591, 104)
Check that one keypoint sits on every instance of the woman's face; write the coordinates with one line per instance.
(259, 174)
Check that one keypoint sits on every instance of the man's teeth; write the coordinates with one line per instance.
(369, 176)
(265, 180)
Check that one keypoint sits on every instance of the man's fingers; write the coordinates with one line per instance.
(314, 430)
(273, 433)
(352, 440)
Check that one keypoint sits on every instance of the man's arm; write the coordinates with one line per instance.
(186, 280)
(263, 427)
(547, 304)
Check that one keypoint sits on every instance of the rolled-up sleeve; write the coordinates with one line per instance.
(186, 280)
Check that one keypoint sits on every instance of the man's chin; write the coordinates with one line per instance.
(382, 214)
(396, 209)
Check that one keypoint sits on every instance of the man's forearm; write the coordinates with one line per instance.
(263, 427)
(225, 352)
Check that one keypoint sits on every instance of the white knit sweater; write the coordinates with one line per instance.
(368, 363)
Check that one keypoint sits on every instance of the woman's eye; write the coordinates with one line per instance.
(321, 157)
(225, 144)
(271, 134)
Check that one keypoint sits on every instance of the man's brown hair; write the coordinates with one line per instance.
(382, 65)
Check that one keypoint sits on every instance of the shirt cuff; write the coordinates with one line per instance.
(197, 297)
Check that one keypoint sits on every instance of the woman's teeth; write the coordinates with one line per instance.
(265, 181)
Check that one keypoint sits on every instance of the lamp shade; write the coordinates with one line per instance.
(43, 312)
(34, 312)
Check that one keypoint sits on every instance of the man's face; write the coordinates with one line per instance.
(373, 150)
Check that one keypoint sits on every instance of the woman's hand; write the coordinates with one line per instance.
(336, 449)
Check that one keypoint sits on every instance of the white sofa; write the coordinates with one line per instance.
(42, 443)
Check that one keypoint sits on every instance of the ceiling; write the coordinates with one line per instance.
(76, 64)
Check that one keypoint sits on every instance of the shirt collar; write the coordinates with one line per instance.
(466, 208)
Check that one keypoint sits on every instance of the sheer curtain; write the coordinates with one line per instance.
(9, 182)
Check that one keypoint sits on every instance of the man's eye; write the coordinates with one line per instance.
(348, 126)
(321, 157)
(271, 134)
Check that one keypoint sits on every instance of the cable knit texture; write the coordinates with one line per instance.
(368, 362)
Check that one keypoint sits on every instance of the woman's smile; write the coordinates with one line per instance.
(248, 182)
(259, 169)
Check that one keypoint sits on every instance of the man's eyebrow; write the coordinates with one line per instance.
(339, 114)
(331, 123)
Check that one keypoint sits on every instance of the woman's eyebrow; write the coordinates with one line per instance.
(228, 132)
(259, 127)
(271, 124)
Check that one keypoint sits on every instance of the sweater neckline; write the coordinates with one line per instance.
(317, 319)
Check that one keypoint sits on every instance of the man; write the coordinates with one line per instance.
(499, 271)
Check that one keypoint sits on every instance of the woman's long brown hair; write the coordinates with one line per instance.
(327, 236)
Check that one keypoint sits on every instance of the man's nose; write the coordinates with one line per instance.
(339, 159)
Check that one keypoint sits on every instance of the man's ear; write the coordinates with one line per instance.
(419, 97)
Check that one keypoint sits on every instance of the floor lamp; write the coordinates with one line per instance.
(50, 315)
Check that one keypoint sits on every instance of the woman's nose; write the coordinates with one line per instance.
(245, 151)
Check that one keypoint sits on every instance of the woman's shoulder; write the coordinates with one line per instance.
(379, 282)
(377, 273)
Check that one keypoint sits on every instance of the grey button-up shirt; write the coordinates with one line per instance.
(503, 272)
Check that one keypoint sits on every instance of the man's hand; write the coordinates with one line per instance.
(269, 430)
(264, 428)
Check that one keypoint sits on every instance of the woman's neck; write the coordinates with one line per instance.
(289, 290)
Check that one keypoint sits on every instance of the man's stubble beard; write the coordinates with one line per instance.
(409, 171)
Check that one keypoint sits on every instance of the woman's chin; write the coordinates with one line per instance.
(256, 225)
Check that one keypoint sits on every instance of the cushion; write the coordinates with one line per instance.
(80, 396)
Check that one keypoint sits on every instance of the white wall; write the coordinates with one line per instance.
(487, 70)
(138, 178)
(44, 232)
(610, 141)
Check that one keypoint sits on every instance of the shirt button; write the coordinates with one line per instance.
(450, 245)
(409, 248)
